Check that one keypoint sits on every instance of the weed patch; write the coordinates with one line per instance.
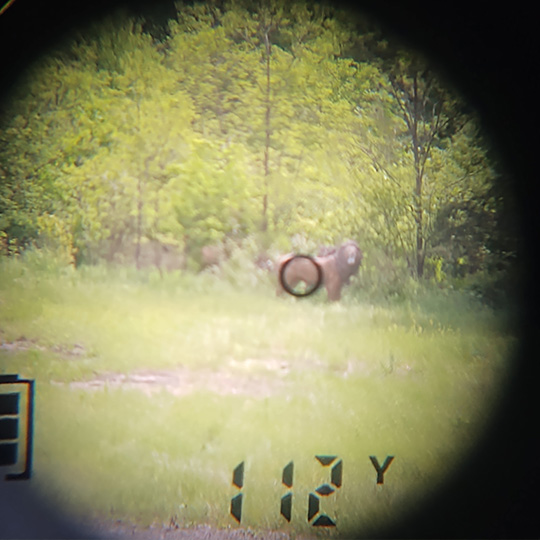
(150, 393)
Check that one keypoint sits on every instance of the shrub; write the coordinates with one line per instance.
(382, 277)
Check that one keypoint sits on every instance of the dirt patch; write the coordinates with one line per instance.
(257, 378)
(182, 381)
(23, 344)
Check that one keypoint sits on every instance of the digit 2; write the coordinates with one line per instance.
(336, 476)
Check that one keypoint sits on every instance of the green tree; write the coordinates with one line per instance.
(267, 81)
(243, 118)
(431, 114)
(423, 150)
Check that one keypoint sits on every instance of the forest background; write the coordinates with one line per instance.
(255, 130)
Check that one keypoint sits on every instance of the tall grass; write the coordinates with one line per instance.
(416, 379)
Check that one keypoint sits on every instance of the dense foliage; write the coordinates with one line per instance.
(239, 122)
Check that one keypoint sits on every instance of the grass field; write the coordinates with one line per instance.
(150, 391)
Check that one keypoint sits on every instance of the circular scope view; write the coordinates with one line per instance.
(191, 373)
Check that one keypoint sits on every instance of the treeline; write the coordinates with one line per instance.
(279, 122)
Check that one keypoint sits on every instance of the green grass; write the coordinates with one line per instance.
(416, 380)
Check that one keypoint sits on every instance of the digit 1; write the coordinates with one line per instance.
(236, 501)
(336, 477)
(286, 500)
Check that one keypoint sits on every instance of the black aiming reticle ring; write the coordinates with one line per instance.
(309, 291)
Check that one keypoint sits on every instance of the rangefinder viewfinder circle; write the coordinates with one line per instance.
(165, 176)
(301, 275)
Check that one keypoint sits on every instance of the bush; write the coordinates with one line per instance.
(381, 278)
(47, 261)
(433, 269)
(240, 268)
(496, 288)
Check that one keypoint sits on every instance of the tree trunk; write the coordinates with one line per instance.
(420, 241)
(419, 218)
(264, 225)
(418, 189)
(139, 224)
